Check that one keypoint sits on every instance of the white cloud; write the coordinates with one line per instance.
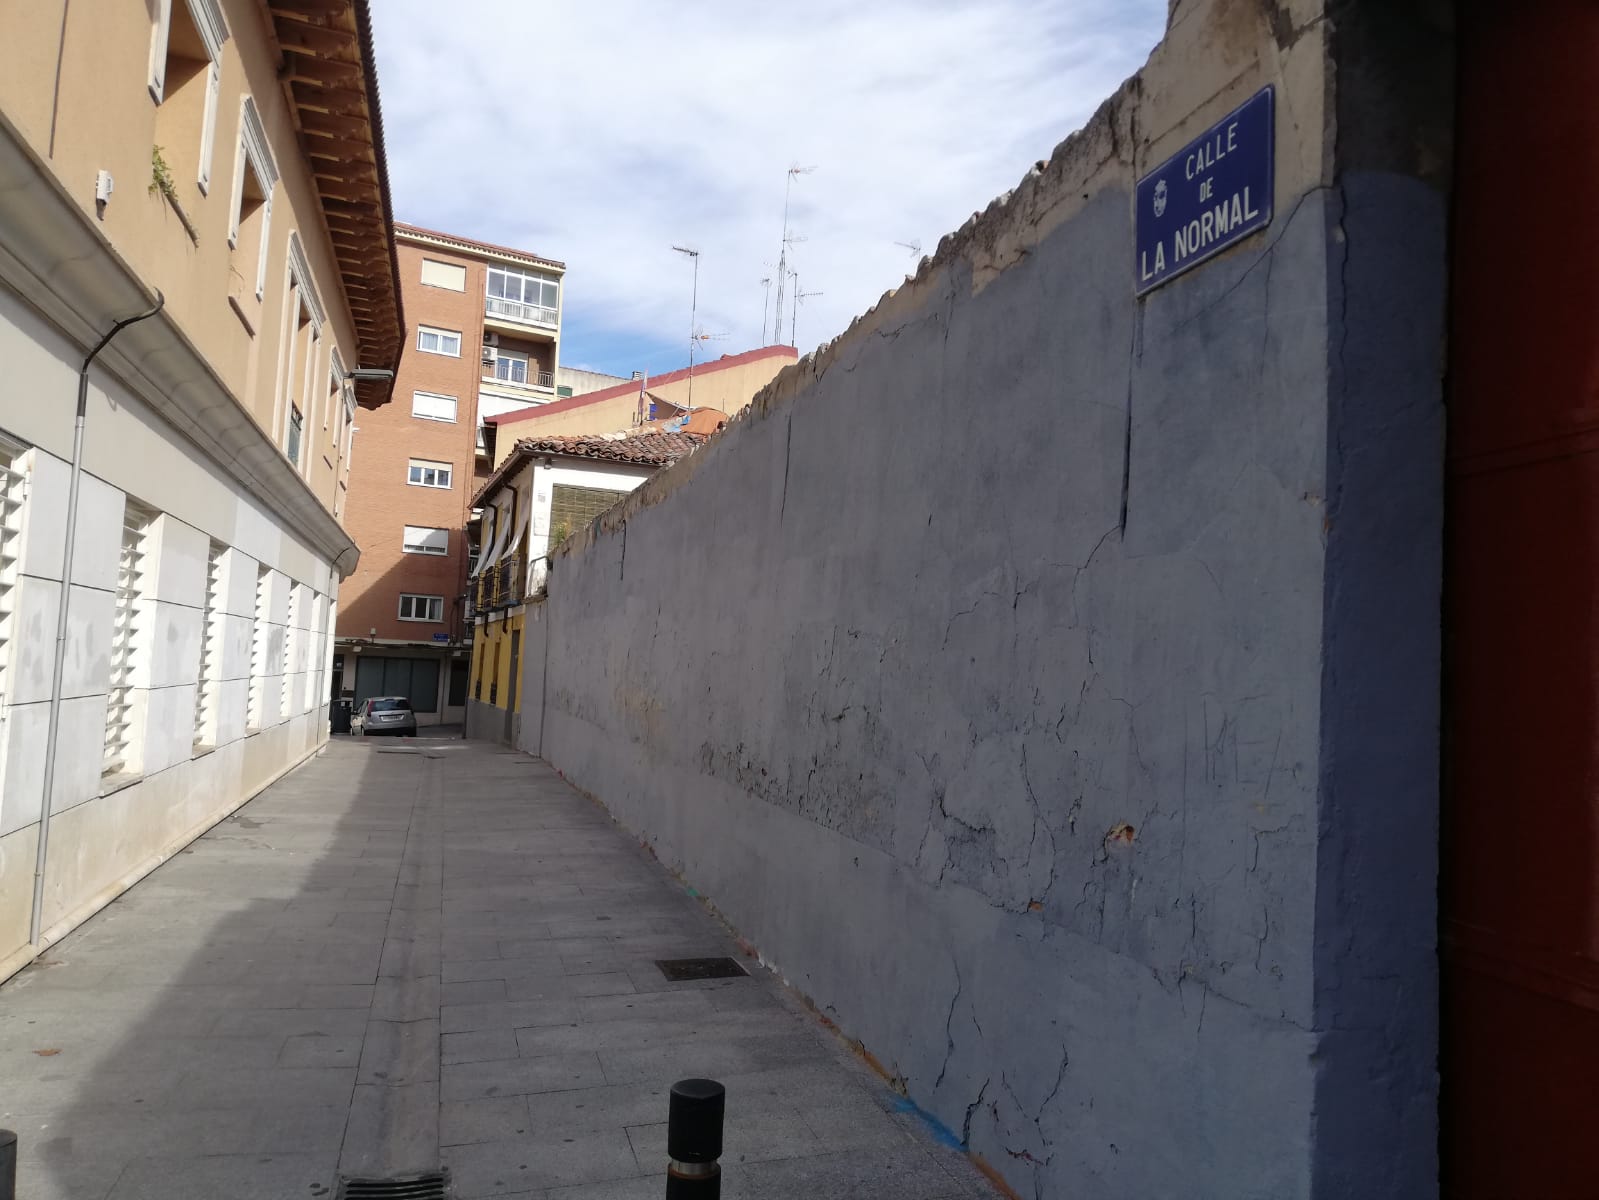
(601, 133)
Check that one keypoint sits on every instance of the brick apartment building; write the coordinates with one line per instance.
(482, 338)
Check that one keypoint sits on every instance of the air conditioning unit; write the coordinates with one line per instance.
(491, 339)
(489, 355)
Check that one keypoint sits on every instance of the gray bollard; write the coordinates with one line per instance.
(694, 1140)
(8, 1165)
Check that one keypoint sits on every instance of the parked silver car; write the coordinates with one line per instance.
(387, 714)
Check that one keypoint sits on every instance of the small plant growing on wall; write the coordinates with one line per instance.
(161, 175)
(161, 181)
(558, 535)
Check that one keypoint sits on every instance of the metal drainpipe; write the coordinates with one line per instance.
(53, 728)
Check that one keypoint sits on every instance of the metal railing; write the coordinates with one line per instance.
(502, 585)
(515, 310)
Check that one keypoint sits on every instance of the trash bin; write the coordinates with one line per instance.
(340, 716)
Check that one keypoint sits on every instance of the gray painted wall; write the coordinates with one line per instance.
(1046, 681)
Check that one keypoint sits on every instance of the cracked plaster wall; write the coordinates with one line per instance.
(978, 673)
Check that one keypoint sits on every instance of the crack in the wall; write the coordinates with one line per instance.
(788, 450)
(1262, 257)
(949, 1026)
(1135, 352)
(966, 1125)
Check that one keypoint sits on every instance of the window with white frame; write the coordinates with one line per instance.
(423, 539)
(335, 389)
(185, 80)
(208, 681)
(13, 490)
(431, 406)
(438, 341)
(305, 317)
(511, 366)
(421, 608)
(444, 275)
(120, 754)
(296, 430)
(523, 295)
(255, 174)
(422, 473)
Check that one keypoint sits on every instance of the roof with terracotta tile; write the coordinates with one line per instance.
(652, 448)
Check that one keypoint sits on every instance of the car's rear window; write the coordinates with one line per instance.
(391, 706)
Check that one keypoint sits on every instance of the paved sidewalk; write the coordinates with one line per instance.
(418, 954)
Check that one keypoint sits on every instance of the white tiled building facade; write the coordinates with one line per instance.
(189, 681)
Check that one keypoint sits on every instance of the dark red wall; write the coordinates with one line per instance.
(1521, 825)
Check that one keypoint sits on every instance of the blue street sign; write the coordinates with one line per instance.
(441, 637)
(1202, 199)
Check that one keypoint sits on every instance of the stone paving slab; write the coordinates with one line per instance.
(435, 954)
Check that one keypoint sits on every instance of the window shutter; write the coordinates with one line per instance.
(266, 240)
(158, 49)
(208, 131)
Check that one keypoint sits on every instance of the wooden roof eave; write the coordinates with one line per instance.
(330, 83)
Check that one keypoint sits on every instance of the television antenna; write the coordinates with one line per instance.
(766, 304)
(782, 259)
(799, 298)
(915, 247)
(693, 310)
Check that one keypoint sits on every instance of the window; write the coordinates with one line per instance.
(335, 389)
(511, 366)
(572, 508)
(438, 341)
(429, 474)
(185, 80)
(422, 608)
(443, 275)
(420, 539)
(205, 692)
(523, 296)
(304, 317)
(432, 407)
(255, 174)
(119, 756)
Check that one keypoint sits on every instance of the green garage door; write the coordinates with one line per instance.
(417, 679)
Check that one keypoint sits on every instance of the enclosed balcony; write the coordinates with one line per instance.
(526, 302)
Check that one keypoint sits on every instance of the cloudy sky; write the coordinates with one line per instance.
(601, 132)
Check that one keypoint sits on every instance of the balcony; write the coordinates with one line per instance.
(514, 313)
(503, 585)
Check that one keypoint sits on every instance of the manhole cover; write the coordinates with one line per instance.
(411, 1187)
(680, 969)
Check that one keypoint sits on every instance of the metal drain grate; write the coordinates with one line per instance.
(680, 969)
(411, 1187)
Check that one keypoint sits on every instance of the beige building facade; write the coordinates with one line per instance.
(727, 384)
(170, 536)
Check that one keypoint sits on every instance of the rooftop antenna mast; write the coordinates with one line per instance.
(782, 258)
(766, 306)
(693, 310)
(799, 297)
